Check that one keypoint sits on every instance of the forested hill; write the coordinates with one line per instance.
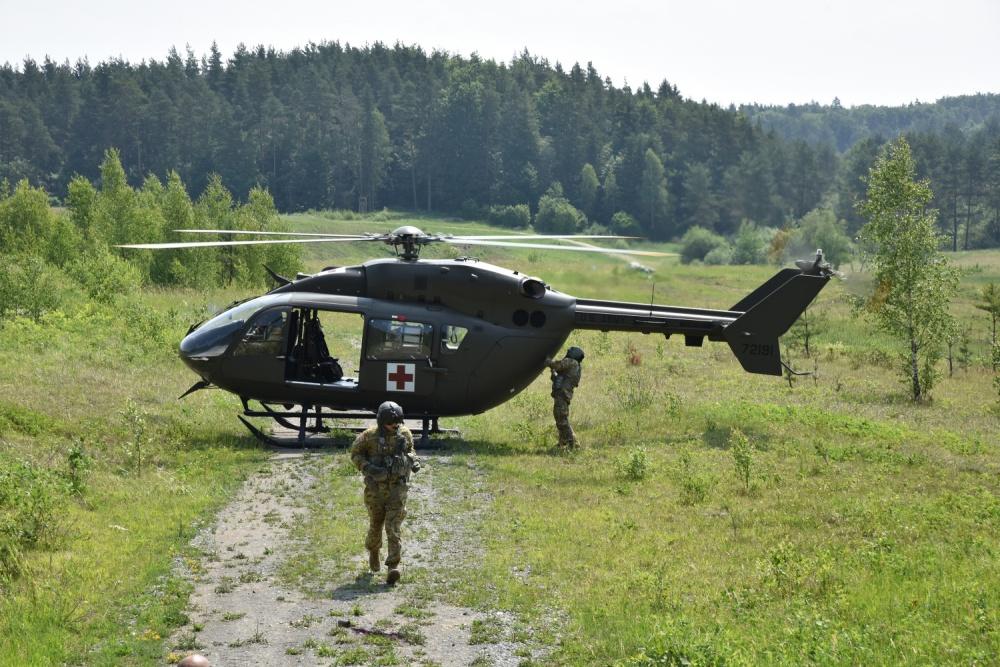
(333, 126)
(842, 127)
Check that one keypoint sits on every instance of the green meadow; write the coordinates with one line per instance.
(710, 517)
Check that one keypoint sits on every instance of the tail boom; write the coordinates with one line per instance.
(751, 329)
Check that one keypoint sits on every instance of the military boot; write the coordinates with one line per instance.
(393, 577)
(374, 563)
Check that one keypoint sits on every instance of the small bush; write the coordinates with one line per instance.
(634, 391)
(556, 215)
(624, 224)
(742, 450)
(30, 286)
(698, 242)
(751, 243)
(694, 484)
(29, 501)
(634, 465)
(512, 217)
(137, 440)
(77, 463)
(104, 276)
(719, 255)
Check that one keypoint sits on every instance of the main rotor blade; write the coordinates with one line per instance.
(216, 244)
(539, 236)
(251, 231)
(547, 246)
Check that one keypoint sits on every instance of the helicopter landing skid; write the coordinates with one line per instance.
(299, 429)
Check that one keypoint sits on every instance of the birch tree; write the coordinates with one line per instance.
(913, 283)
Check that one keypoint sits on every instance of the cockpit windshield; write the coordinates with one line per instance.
(213, 337)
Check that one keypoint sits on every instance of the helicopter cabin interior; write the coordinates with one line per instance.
(328, 347)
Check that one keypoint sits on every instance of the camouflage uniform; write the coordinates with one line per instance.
(385, 499)
(565, 377)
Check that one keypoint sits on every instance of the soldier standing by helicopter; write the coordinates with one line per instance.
(384, 455)
(565, 378)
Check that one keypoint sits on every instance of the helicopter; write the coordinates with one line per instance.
(443, 337)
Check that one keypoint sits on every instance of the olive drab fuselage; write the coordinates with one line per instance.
(266, 349)
(511, 323)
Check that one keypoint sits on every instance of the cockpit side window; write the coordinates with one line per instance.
(395, 339)
(452, 337)
(265, 336)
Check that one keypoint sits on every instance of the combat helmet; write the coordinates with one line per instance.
(575, 353)
(389, 413)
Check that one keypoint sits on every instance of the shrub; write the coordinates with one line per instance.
(103, 275)
(77, 463)
(698, 242)
(820, 229)
(742, 451)
(750, 244)
(634, 392)
(513, 217)
(29, 498)
(556, 215)
(694, 484)
(720, 255)
(633, 465)
(30, 286)
(624, 224)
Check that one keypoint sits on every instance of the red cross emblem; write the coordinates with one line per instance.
(400, 377)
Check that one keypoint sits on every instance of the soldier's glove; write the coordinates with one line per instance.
(378, 473)
(416, 466)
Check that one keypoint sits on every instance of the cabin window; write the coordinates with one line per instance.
(452, 337)
(396, 339)
(266, 335)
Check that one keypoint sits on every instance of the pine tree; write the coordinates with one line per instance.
(653, 196)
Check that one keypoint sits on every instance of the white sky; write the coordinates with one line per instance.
(770, 51)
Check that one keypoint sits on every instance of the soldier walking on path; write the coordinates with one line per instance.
(565, 378)
(384, 455)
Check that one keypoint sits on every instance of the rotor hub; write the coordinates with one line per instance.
(410, 239)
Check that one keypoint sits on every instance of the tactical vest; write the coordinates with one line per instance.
(393, 457)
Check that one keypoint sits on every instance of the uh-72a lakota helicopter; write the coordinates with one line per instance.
(444, 337)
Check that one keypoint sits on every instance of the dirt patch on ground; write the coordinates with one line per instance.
(241, 614)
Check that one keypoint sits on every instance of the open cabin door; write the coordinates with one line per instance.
(398, 358)
(323, 347)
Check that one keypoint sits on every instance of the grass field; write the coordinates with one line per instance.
(851, 527)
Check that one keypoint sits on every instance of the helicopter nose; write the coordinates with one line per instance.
(202, 348)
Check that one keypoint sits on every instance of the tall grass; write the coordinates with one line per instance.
(867, 532)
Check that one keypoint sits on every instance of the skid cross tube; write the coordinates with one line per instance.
(307, 420)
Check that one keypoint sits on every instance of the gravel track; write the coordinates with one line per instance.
(241, 614)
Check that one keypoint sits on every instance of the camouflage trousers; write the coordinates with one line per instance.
(560, 410)
(386, 503)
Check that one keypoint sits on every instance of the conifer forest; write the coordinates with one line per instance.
(330, 125)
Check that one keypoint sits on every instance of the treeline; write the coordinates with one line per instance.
(47, 256)
(843, 127)
(333, 126)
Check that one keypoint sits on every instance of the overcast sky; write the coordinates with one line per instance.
(770, 51)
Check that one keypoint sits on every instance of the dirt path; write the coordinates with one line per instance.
(241, 614)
